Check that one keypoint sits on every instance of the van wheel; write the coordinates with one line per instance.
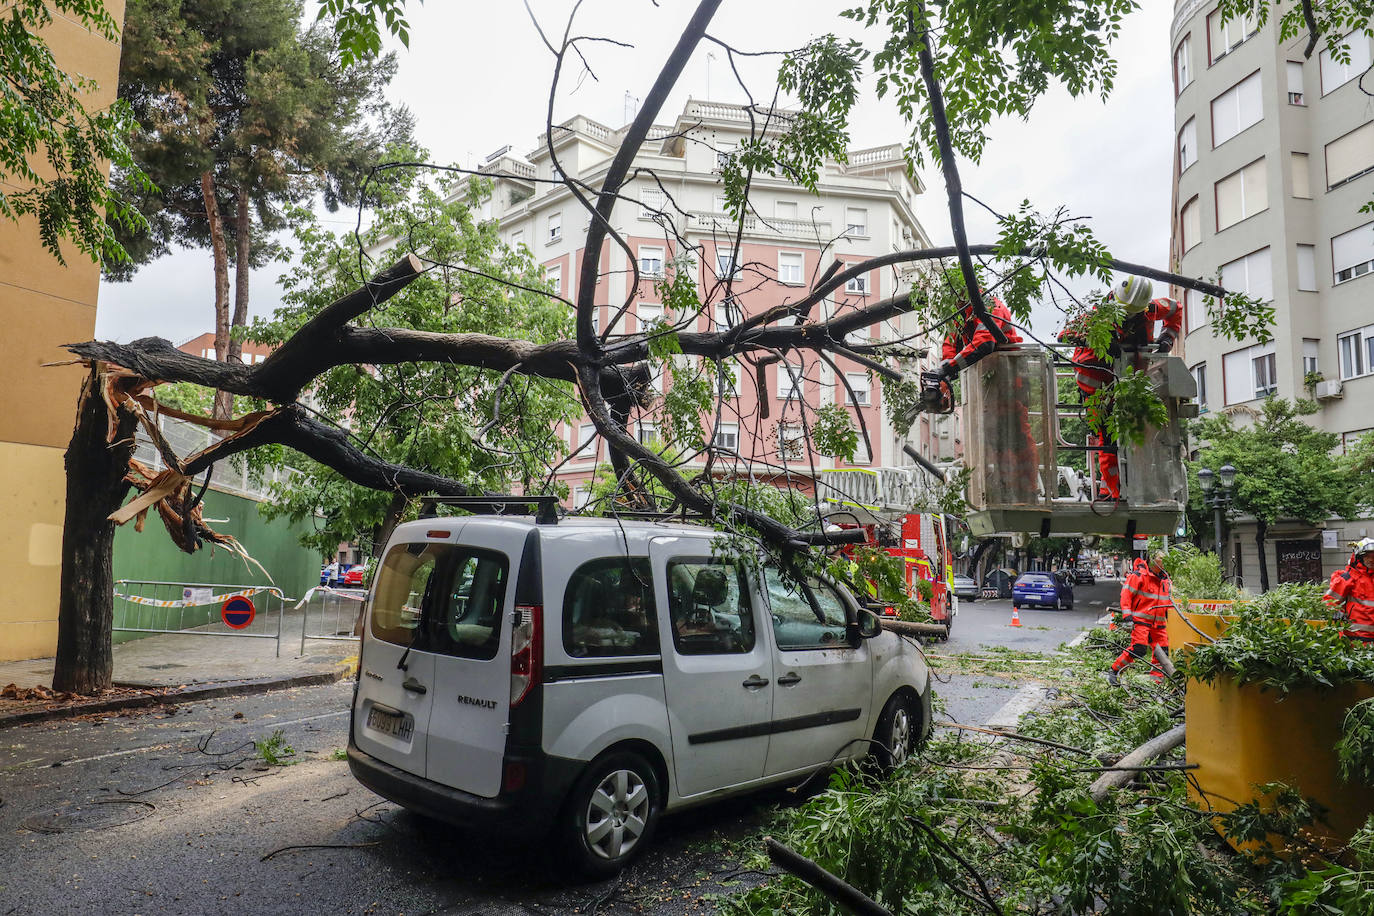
(610, 814)
(898, 733)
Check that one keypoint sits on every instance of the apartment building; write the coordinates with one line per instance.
(672, 217)
(204, 345)
(1273, 163)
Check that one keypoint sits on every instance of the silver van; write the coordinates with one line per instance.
(587, 675)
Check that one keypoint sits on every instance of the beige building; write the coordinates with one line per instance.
(673, 213)
(1273, 161)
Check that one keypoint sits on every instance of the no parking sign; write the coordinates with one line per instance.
(237, 612)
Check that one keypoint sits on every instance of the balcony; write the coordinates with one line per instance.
(724, 224)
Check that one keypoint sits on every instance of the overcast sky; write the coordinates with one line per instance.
(477, 77)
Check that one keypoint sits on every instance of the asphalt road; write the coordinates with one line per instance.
(169, 811)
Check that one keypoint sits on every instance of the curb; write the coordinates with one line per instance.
(184, 695)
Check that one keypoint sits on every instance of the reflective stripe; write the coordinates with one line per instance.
(1355, 600)
(1145, 594)
(1360, 627)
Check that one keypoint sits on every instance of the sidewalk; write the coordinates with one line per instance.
(172, 668)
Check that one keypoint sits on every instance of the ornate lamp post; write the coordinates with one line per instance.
(1218, 496)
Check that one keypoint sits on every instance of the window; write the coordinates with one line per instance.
(1200, 377)
(1236, 109)
(1307, 268)
(1265, 369)
(1249, 373)
(860, 452)
(800, 620)
(1194, 309)
(1336, 74)
(608, 609)
(790, 267)
(650, 261)
(517, 238)
(722, 160)
(554, 274)
(648, 314)
(1187, 145)
(858, 388)
(790, 441)
(648, 435)
(727, 437)
(1350, 156)
(727, 380)
(789, 381)
(1183, 64)
(1310, 355)
(1252, 275)
(725, 263)
(1355, 352)
(1190, 224)
(585, 434)
(857, 285)
(651, 203)
(725, 312)
(555, 227)
(708, 604)
(1242, 194)
(1352, 253)
(441, 598)
(210, 353)
(1223, 37)
(1302, 183)
(656, 380)
(1295, 94)
(785, 209)
(855, 221)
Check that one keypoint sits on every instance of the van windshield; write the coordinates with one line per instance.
(441, 598)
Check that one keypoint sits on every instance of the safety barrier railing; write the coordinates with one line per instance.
(199, 609)
(330, 613)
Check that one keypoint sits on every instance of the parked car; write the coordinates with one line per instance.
(1042, 589)
(354, 577)
(586, 676)
(1083, 575)
(965, 588)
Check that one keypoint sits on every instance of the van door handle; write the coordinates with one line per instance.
(756, 681)
(414, 686)
(790, 678)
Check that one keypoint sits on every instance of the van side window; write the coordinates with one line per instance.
(441, 598)
(708, 604)
(608, 609)
(803, 618)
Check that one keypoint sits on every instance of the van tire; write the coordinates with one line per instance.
(627, 785)
(898, 734)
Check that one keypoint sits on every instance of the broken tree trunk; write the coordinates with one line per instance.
(96, 464)
(1160, 744)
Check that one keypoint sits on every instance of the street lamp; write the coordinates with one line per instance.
(1218, 496)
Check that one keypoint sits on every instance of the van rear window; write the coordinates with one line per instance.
(608, 609)
(443, 598)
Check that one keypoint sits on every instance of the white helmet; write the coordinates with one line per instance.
(1365, 545)
(1134, 294)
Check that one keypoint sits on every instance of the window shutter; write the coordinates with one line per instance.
(1351, 248)
(1307, 267)
(1192, 224)
(1236, 372)
(1350, 155)
(1230, 200)
(1302, 184)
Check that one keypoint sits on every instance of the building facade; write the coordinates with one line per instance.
(1274, 159)
(672, 217)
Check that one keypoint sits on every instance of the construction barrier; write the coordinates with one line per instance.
(330, 613)
(199, 609)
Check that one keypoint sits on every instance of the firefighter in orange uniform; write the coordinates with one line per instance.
(1351, 593)
(1093, 372)
(1145, 600)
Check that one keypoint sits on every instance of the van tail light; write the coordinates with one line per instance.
(526, 651)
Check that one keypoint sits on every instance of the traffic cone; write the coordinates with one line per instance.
(1015, 617)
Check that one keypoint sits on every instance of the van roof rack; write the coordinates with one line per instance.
(646, 515)
(545, 511)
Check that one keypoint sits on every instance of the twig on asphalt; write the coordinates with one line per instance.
(318, 846)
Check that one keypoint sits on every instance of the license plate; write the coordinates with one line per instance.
(396, 724)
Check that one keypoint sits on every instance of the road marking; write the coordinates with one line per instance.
(66, 762)
(1026, 699)
(1101, 622)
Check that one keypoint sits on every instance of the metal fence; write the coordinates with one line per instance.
(194, 609)
(330, 613)
(231, 476)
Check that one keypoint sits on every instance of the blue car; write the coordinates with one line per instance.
(1042, 589)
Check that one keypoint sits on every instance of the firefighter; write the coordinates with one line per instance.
(1351, 594)
(1092, 371)
(1145, 602)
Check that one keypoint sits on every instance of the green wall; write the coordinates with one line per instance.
(152, 555)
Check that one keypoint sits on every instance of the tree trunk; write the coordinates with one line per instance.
(389, 522)
(224, 401)
(95, 488)
(243, 228)
(1262, 529)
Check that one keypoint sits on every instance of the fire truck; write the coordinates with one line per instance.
(879, 500)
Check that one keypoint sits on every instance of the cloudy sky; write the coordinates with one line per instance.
(477, 77)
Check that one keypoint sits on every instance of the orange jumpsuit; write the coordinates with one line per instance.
(1352, 594)
(1145, 599)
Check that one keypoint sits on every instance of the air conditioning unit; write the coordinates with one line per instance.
(1328, 390)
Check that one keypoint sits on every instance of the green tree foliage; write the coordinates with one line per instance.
(1285, 467)
(53, 151)
(242, 114)
(434, 416)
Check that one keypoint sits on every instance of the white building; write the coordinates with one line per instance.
(1274, 161)
(673, 208)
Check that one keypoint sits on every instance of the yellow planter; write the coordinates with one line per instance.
(1241, 737)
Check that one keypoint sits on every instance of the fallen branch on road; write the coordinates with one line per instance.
(1124, 770)
(317, 846)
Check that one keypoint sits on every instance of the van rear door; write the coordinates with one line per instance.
(470, 639)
